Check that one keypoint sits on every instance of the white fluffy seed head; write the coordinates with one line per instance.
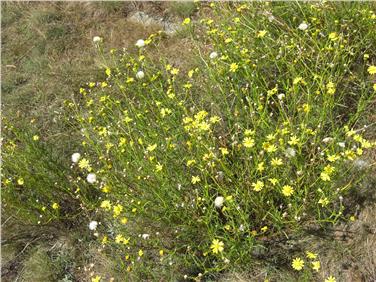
(91, 178)
(93, 225)
(290, 152)
(97, 39)
(145, 236)
(76, 157)
(140, 75)
(341, 144)
(327, 139)
(213, 55)
(218, 202)
(140, 43)
(303, 26)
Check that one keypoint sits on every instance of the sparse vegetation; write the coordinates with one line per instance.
(228, 156)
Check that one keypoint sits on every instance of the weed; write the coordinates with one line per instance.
(202, 169)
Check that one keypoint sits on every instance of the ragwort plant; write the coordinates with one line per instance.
(257, 141)
(188, 170)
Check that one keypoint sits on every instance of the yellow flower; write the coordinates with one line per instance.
(297, 264)
(270, 148)
(276, 162)
(333, 158)
(217, 246)
(188, 85)
(287, 190)
(20, 181)
(55, 206)
(127, 119)
(124, 220)
(330, 88)
(249, 132)
(311, 255)
(165, 112)
(260, 167)
(351, 132)
(117, 210)
(191, 162)
(174, 71)
(224, 151)
(158, 167)
(151, 148)
(273, 91)
(248, 142)
(119, 238)
(96, 278)
(106, 189)
(297, 80)
(329, 169)
(270, 137)
(234, 67)
(261, 33)
(214, 119)
(324, 201)
(324, 176)
(273, 181)
(258, 186)
(316, 265)
(242, 7)
(366, 144)
(306, 108)
(140, 253)
(35, 137)
(106, 205)
(186, 21)
(371, 69)
(195, 179)
(333, 36)
(293, 140)
(330, 279)
(84, 164)
(129, 80)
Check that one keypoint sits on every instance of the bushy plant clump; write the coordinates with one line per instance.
(192, 168)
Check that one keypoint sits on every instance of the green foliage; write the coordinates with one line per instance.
(35, 178)
(189, 171)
